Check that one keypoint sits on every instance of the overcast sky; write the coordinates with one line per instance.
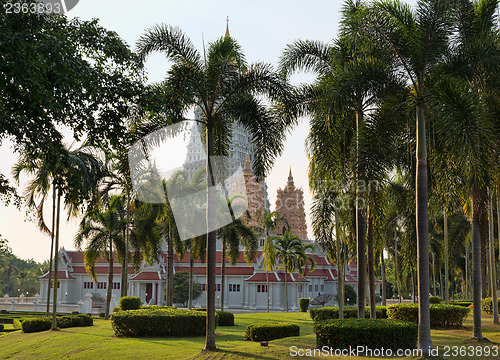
(263, 29)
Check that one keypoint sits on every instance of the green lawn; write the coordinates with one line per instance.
(99, 342)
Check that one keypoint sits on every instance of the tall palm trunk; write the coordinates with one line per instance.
(223, 276)
(492, 260)
(424, 322)
(498, 217)
(384, 279)
(434, 274)
(124, 282)
(360, 227)
(56, 261)
(109, 292)
(396, 264)
(51, 246)
(340, 270)
(476, 267)
(191, 268)
(267, 284)
(467, 270)
(286, 288)
(446, 260)
(211, 244)
(170, 269)
(371, 269)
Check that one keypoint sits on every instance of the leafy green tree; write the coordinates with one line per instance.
(226, 91)
(181, 288)
(303, 260)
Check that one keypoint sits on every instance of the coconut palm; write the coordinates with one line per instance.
(418, 40)
(302, 262)
(225, 91)
(287, 247)
(102, 229)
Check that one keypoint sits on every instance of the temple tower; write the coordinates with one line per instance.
(290, 205)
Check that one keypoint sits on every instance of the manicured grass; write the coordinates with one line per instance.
(99, 342)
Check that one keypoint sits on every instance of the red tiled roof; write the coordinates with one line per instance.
(77, 258)
(101, 270)
(61, 275)
(350, 279)
(185, 259)
(261, 277)
(230, 270)
(321, 260)
(147, 275)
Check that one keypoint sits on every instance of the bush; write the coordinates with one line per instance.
(332, 312)
(225, 318)
(303, 304)
(1, 327)
(487, 305)
(350, 296)
(130, 303)
(74, 321)
(102, 315)
(75, 312)
(442, 316)
(31, 325)
(271, 331)
(159, 322)
(374, 334)
(3, 311)
(463, 303)
(435, 300)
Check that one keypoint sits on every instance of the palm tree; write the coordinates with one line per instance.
(225, 91)
(417, 40)
(302, 261)
(233, 235)
(269, 220)
(102, 229)
(287, 247)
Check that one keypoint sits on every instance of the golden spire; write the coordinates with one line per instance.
(227, 28)
(289, 184)
(247, 170)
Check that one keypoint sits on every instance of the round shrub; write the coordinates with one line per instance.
(271, 331)
(332, 312)
(159, 322)
(303, 304)
(442, 316)
(130, 303)
(225, 318)
(487, 305)
(31, 325)
(374, 334)
(435, 300)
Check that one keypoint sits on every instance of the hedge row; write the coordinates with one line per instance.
(463, 303)
(350, 312)
(442, 316)
(30, 325)
(435, 299)
(487, 305)
(373, 334)
(271, 331)
(159, 322)
(304, 304)
(130, 303)
(226, 318)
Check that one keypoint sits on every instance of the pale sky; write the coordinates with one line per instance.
(263, 29)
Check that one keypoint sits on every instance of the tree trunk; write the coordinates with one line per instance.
(223, 276)
(446, 260)
(51, 246)
(191, 268)
(498, 218)
(413, 286)
(492, 259)
(286, 288)
(360, 226)
(476, 268)
(424, 320)
(434, 274)
(371, 269)
(170, 269)
(396, 264)
(124, 282)
(211, 244)
(267, 284)
(109, 292)
(340, 270)
(56, 262)
(384, 280)
(467, 277)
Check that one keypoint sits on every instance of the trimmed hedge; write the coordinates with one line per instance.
(130, 303)
(271, 331)
(303, 304)
(442, 316)
(435, 299)
(463, 303)
(30, 325)
(3, 311)
(159, 322)
(487, 305)
(1, 327)
(374, 334)
(350, 312)
(226, 318)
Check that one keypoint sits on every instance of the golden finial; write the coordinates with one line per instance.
(290, 184)
(227, 28)
(247, 170)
